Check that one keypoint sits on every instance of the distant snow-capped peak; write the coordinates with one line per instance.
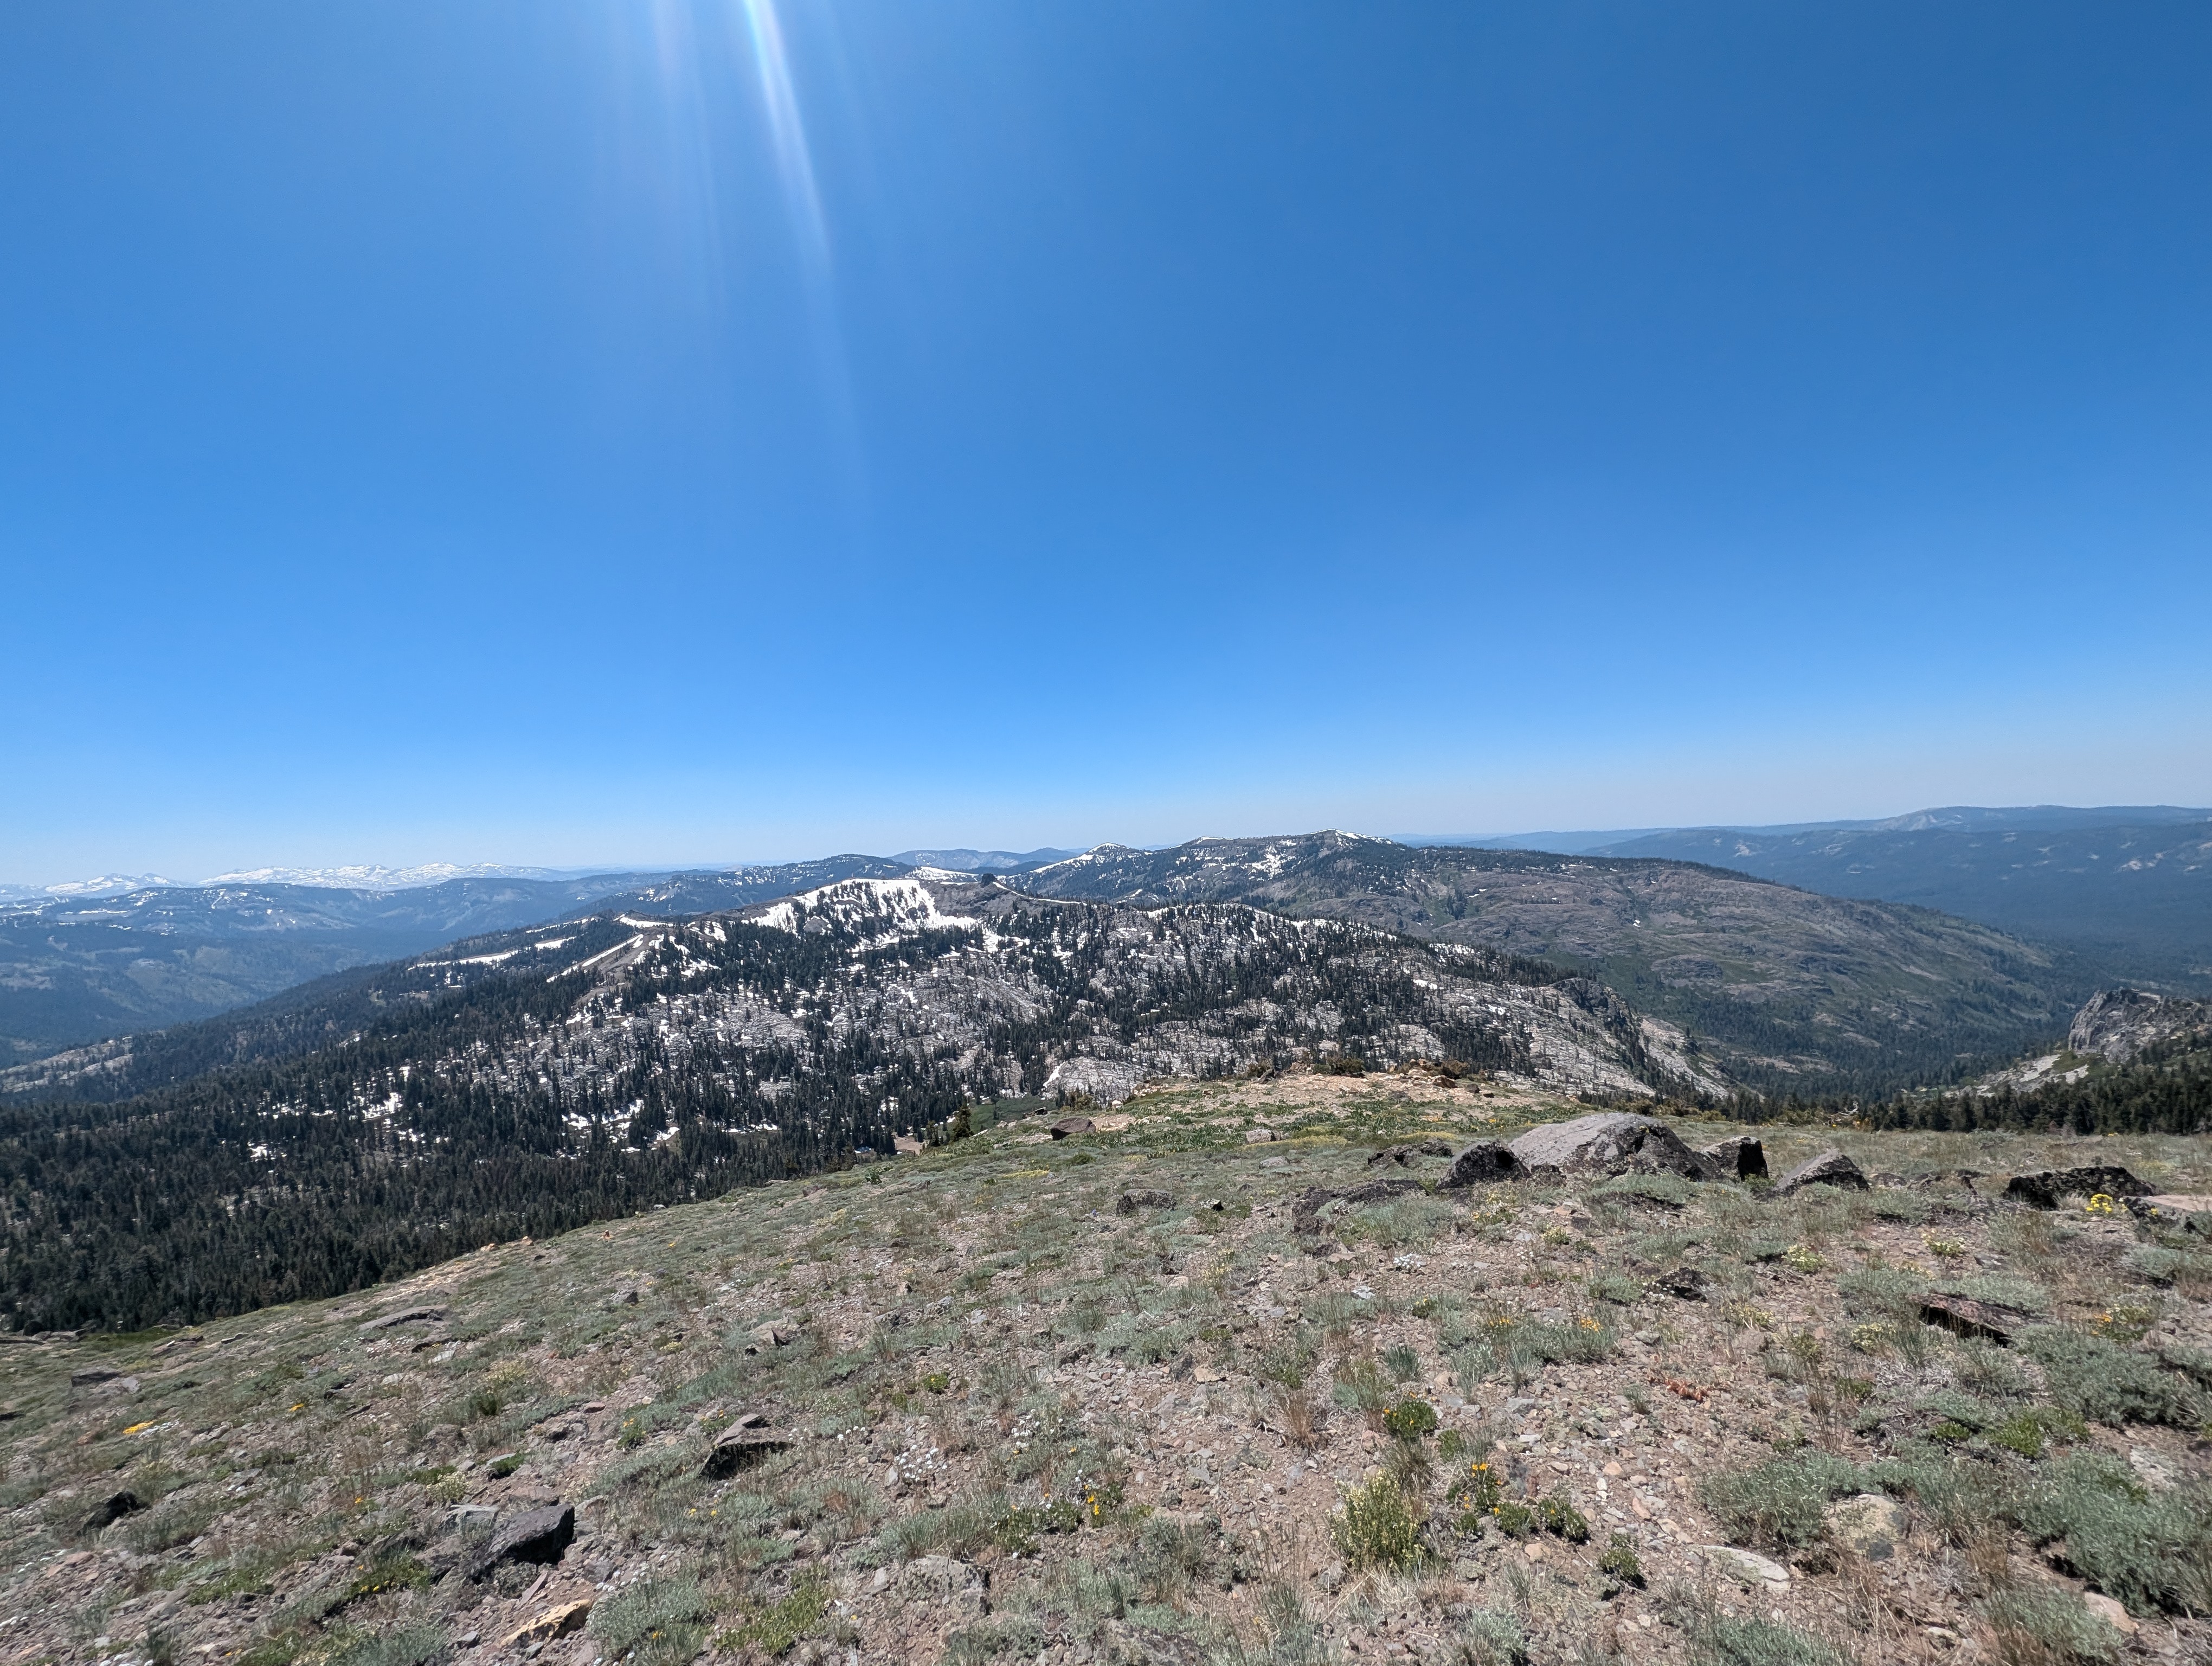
(377, 877)
(69, 891)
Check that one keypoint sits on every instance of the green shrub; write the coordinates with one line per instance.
(1402, 1363)
(1171, 1555)
(1411, 1419)
(1556, 1515)
(662, 1621)
(1620, 1564)
(1376, 1527)
(1515, 1521)
(1617, 1288)
(1361, 1386)
(1669, 1190)
(2022, 1295)
(1015, 1635)
(1960, 1497)
(2148, 1552)
(1779, 1504)
(411, 1646)
(2096, 1379)
(2038, 1622)
(1488, 1638)
(2029, 1433)
(1757, 1643)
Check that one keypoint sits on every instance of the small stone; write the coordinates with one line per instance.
(742, 1445)
(1748, 1565)
(2110, 1612)
(774, 1335)
(562, 1620)
(1869, 1524)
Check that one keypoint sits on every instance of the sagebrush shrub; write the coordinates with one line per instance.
(1376, 1527)
(1779, 1504)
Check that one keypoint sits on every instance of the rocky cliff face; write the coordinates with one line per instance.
(2120, 1025)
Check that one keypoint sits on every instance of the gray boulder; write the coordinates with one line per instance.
(1612, 1142)
(1737, 1158)
(1830, 1168)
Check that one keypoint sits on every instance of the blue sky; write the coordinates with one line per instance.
(584, 433)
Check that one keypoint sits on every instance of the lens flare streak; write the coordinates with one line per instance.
(788, 132)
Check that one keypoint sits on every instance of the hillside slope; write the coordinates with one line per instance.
(534, 1080)
(2132, 899)
(1792, 991)
(974, 1406)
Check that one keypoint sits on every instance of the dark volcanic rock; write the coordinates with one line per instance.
(111, 1509)
(1612, 1142)
(1484, 1160)
(1306, 1213)
(1684, 1284)
(1406, 1156)
(1971, 1318)
(1830, 1168)
(1737, 1158)
(93, 1374)
(1068, 1126)
(2043, 1190)
(740, 1446)
(406, 1317)
(536, 1535)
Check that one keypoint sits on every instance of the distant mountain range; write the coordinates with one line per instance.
(1783, 989)
(2093, 897)
(982, 861)
(77, 969)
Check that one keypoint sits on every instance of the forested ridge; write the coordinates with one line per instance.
(531, 1082)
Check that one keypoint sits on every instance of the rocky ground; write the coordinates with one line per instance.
(1227, 1378)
